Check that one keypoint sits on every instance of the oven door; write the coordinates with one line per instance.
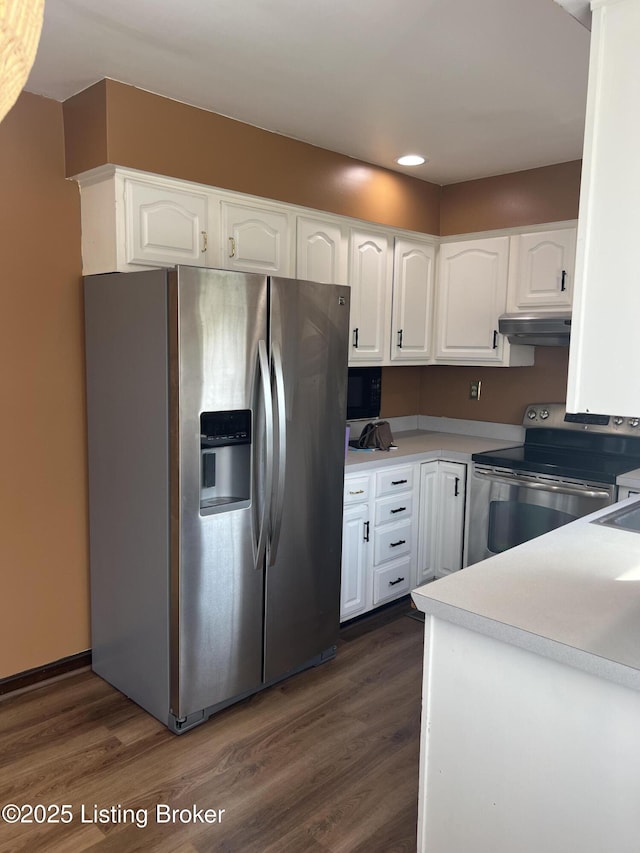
(508, 508)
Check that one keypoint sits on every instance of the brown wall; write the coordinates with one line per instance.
(155, 134)
(548, 194)
(43, 503)
(505, 392)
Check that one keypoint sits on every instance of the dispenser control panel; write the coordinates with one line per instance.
(220, 429)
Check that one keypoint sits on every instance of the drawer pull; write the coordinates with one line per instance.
(393, 583)
(400, 509)
(397, 482)
(358, 492)
(399, 542)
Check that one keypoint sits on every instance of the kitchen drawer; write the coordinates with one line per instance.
(394, 508)
(394, 480)
(391, 542)
(391, 581)
(356, 490)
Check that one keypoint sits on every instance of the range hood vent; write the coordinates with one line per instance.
(540, 330)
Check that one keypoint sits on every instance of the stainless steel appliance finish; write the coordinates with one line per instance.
(566, 469)
(537, 329)
(215, 558)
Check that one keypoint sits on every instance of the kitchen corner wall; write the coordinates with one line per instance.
(44, 610)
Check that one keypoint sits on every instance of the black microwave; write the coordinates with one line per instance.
(364, 391)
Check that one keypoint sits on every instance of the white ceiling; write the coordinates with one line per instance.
(481, 87)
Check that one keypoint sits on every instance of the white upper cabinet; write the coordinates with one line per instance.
(412, 310)
(165, 226)
(370, 273)
(603, 354)
(255, 239)
(541, 268)
(321, 250)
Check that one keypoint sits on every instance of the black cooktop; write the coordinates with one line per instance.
(591, 456)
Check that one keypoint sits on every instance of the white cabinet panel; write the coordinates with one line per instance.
(393, 480)
(165, 226)
(394, 508)
(472, 295)
(606, 306)
(370, 271)
(391, 542)
(412, 311)
(441, 524)
(541, 270)
(255, 239)
(321, 251)
(355, 562)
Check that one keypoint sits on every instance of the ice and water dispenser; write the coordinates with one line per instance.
(225, 450)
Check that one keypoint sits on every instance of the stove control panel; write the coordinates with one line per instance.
(555, 416)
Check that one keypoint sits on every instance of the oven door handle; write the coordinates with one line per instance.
(564, 489)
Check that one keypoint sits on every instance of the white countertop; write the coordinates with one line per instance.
(572, 595)
(418, 443)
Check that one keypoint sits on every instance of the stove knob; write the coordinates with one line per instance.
(633, 422)
(618, 421)
(544, 414)
(531, 414)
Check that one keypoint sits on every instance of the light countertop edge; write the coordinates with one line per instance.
(413, 445)
(572, 595)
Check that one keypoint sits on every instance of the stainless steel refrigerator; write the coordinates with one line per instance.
(216, 420)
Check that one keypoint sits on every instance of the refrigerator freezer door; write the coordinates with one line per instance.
(218, 318)
(309, 336)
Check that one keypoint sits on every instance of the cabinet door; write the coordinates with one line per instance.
(428, 527)
(355, 552)
(370, 280)
(472, 294)
(164, 226)
(451, 498)
(321, 251)
(541, 270)
(255, 239)
(413, 273)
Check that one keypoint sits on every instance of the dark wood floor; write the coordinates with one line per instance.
(326, 761)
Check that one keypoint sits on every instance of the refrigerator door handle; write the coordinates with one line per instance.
(282, 450)
(265, 376)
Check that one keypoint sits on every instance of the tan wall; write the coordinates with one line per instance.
(155, 134)
(549, 194)
(44, 609)
(505, 392)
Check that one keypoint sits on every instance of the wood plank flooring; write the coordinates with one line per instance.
(326, 761)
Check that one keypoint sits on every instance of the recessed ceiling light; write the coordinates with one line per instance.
(411, 160)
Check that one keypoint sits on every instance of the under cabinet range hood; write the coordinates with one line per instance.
(537, 329)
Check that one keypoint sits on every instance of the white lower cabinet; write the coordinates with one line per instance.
(379, 539)
(441, 520)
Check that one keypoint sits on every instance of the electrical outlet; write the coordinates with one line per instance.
(474, 390)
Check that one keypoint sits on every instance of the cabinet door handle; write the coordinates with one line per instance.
(232, 247)
(355, 338)
(456, 490)
(393, 583)
(400, 339)
(205, 241)
(399, 542)
(397, 482)
(366, 531)
(400, 509)
(495, 339)
(563, 280)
